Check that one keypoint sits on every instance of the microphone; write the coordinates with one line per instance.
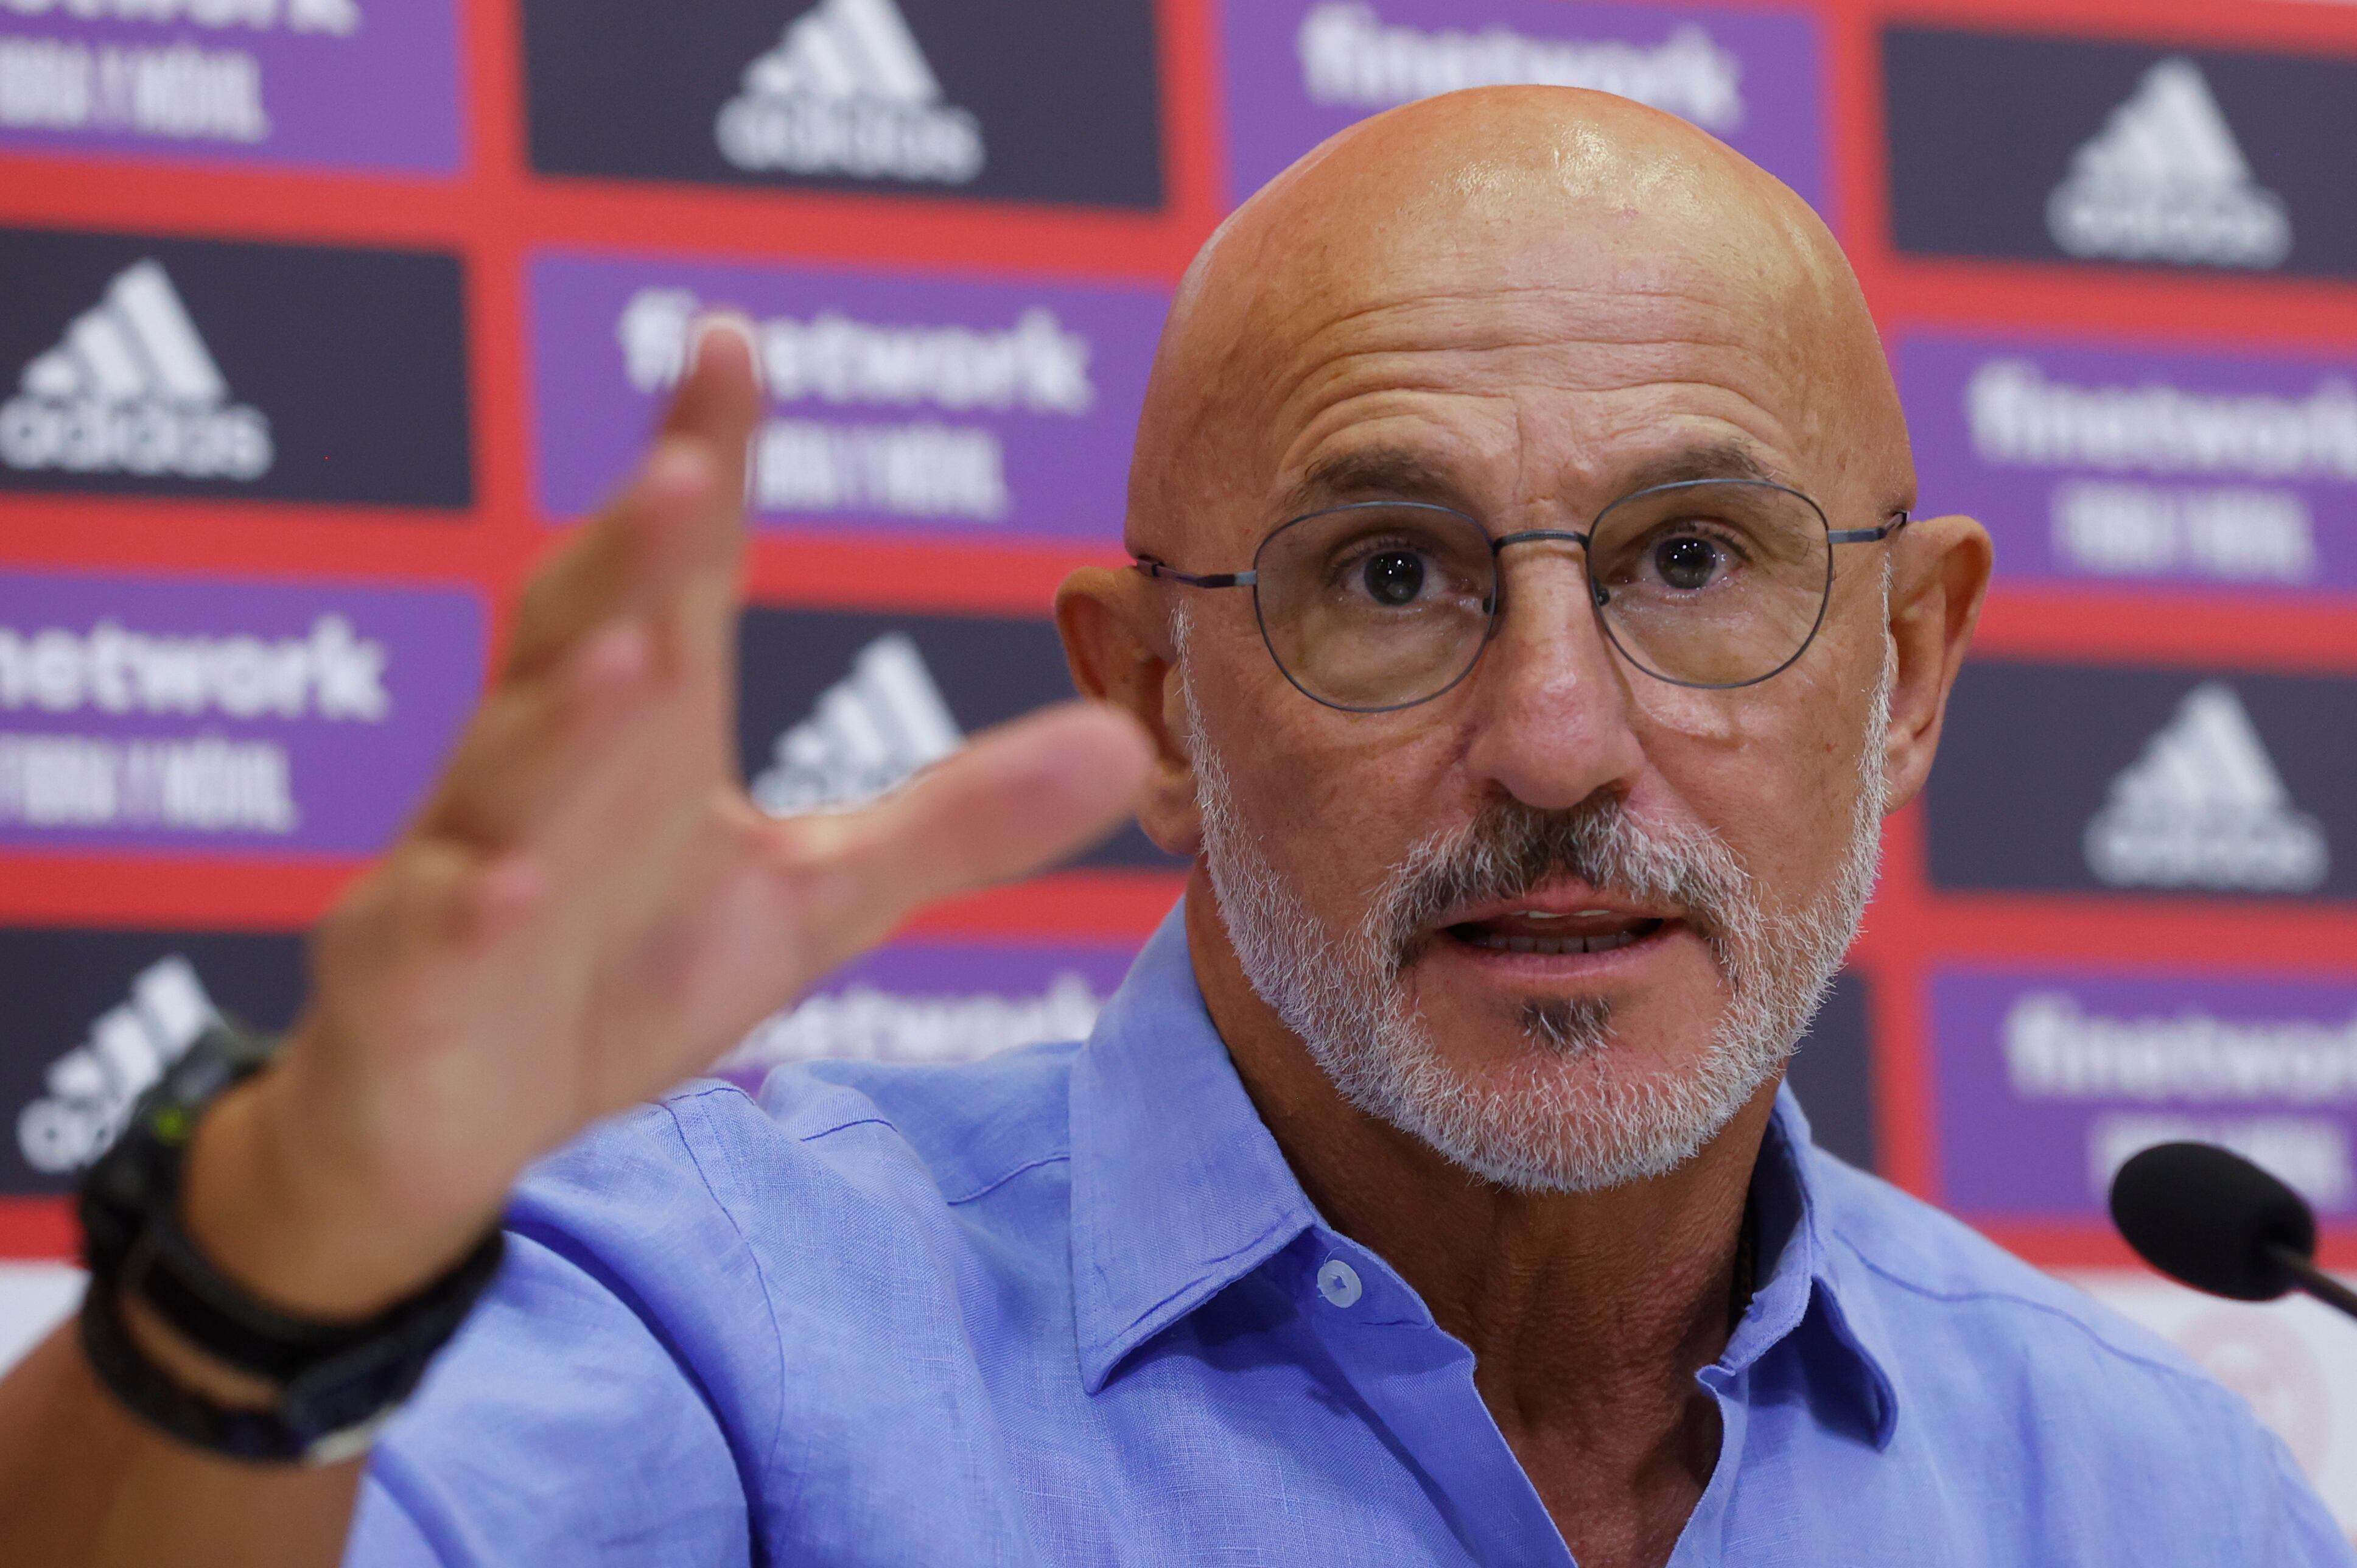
(2212, 1219)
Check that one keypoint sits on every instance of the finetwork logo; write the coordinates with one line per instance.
(2056, 1049)
(867, 733)
(1350, 56)
(868, 1023)
(847, 91)
(132, 390)
(92, 1086)
(2164, 180)
(205, 782)
(923, 468)
(2021, 418)
(340, 17)
(2204, 808)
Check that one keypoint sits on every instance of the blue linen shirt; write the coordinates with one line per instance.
(1070, 1306)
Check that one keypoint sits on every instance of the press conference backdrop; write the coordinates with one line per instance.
(320, 319)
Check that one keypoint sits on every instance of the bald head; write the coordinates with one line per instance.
(1518, 231)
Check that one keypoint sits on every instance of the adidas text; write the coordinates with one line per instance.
(132, 389)
(91, 1088)
(2204, 808)
(2165, 181)
(847, 92)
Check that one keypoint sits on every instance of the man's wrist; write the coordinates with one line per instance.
(276, 1213)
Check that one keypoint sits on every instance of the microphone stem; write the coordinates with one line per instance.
(2313, 1280)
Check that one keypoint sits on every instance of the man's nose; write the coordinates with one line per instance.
(1551, 709)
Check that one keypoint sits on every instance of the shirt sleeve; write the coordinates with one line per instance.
(595, 1407)
(2312, 1538)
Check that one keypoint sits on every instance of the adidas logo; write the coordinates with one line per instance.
(2204, 807)
(2164, 181)
(91, 1088)
(865, 734)
(131, 390)
(846, 91)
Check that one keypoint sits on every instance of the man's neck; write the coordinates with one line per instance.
(1587, 1314)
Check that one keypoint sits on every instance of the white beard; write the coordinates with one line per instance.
(1572, 1114)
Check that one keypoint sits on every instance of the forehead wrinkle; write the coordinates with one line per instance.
(1343, 384)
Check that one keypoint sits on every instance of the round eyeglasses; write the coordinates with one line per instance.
(1383, 605)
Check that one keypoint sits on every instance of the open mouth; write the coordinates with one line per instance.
(1555, 935)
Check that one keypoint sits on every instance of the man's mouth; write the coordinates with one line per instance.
(1556, 934)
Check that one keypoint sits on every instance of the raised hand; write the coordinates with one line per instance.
(588, 908)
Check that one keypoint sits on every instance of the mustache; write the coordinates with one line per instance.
(1509, 848)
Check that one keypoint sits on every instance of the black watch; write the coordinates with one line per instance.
(336, 1383)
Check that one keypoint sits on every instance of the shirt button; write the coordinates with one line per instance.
(1337, 1281)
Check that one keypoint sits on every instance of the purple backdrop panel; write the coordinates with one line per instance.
(2049, 1080)
(2100, 465)
(1299, 71)
(899, 405)
(924, 1001)
(355, 84)
(198, 715)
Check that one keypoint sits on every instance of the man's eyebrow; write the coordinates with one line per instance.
(1718, 460)
(1370, 473)
(1402, 473)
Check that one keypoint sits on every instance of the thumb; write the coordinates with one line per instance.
(1017, 799)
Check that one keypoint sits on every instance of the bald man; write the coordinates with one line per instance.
(1527, 635)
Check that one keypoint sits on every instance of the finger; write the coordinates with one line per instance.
(535, 739)
(429, 900)
(682, 510)
(1018, 798)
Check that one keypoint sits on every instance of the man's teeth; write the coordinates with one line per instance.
(1556, 947)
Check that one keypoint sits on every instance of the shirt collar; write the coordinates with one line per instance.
(1178, 1190)
(1808, 1303)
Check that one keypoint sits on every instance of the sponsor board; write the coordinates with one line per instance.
(96, 1016)
(2293, 1362)
(2118, 154)
(837, 707)
(2050, 1080)
(200, 715)
(232, 370)
(1832, 1074)
(935, 1002)
(2080, 778)
(897, 404)
(2139, 467)
(355, 84)
(1052, 101)
(1299, 71)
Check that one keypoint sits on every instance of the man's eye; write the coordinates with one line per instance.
(1392, 577)
(1689, 561)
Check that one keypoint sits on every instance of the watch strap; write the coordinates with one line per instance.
(336, 1381)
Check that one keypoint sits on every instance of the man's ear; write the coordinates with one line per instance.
(1117, 641)
(1939, 574)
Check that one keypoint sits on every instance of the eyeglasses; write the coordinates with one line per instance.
(1384, 605)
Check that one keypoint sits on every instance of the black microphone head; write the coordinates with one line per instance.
(2208, 1217)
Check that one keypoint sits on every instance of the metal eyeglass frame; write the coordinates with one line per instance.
(1161, 570)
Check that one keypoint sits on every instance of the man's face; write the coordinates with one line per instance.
(1565, 918)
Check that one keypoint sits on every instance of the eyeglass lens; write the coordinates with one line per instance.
(1716, 584)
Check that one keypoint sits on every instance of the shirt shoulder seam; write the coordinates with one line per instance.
(769, 1301)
